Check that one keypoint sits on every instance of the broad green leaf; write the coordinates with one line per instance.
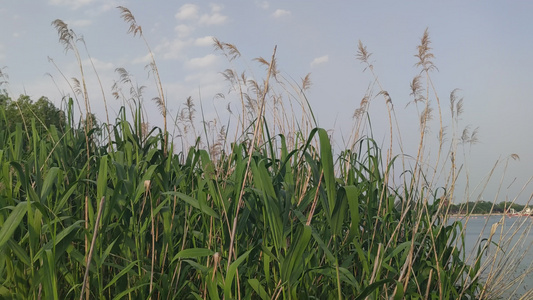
(263, 182)
(194, 203)
(121, 273)
(58, 238)
(288, 267)
(197, 266)
(5, 293)
(21, 176)
(130, 290)
(212, 289)
(398, 249)
(63, 201)
(50, 283)
(231, 273)
(258, 288)
(372, 288)
(106, 252)
(326, 157)
(400, 292)
(51, 178)
(19, 252)
(339, 213)
(147, 175)
(193, 253)
(102, 178)
(12, 222)
(352, 197)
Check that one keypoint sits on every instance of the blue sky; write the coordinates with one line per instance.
(482, 48)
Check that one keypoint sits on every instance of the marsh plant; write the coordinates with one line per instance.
(261, 207)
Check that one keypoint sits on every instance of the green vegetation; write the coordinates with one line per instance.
(118, 211)
(485, 207)
(24, 109)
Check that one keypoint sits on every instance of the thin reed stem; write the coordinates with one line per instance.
(91, 250)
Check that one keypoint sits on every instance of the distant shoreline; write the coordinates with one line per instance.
(489, 214)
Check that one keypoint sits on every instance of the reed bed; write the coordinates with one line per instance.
(261, 208)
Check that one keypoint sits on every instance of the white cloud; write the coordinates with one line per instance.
(108, 6)
(172, 49)
(187, 12)
(98, 64)
(191, 12)
(281, 13)
(73, 4)
(214, 19)
(320, 60)
(16, 34)
(201, 62)
(142, 59)
(209, 81)
(183, 30)
(204, 41)
(100, 8)
(189, 17)
(215, 7)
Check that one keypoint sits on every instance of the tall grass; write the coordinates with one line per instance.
(115, 211)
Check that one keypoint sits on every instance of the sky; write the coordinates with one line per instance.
(482, 49)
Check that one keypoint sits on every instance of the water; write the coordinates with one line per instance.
(509, 265)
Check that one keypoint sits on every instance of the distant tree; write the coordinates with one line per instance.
(23, 110)
(454, 209)
(482, 207)
(506, 206)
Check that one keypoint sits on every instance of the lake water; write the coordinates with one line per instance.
(507, 266)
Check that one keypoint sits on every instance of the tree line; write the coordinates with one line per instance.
(24, 109)
(485, 207)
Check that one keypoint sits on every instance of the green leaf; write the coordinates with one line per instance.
(130, 290)
(258, 288)
(106, 252)
(58, 238)
(19, 252)
(102, 178)
(373, 287)
(12, 222)
(193, 253)
(400, 292)
(197, 266)
(398, 249)
(327, 167)
(140, 186)
(212, 289)
(50, 283)
(263, 182)
(51, 177)
(194, 203)
(352, 197)
(296, 251)
(120, 274)
(231, 273)
(21, 177)
(63, 201)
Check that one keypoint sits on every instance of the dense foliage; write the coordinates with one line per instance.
(23, 110)
(303, 229)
